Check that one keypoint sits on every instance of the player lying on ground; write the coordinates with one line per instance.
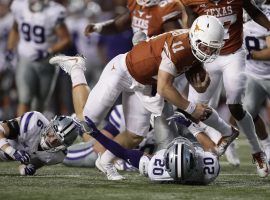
(180, 162)
(84, 154)
(35, 141)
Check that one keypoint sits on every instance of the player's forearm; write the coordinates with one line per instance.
(173, 96)
(256, 14)
(61, 45)
(13, 39)
(261, 55)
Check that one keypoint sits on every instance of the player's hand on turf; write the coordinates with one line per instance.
(201, 112)
(27, 170)
(22, 156)
(90, 28)
(199, 85)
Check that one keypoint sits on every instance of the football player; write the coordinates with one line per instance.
(181, 162)
(156, 61)
(229, 67)
(147, 18)
(38, 31)
(256, 40)
(85, 154)
(35, 141)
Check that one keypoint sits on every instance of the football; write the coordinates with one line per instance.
(194, 70)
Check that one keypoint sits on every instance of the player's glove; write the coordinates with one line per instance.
(180, 118)
(21, 156)
(27, 170)
(88, 126)
(9, 55)
(41, 55)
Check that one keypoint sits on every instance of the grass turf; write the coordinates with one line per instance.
(59, 182)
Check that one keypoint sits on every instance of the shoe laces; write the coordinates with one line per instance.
(111, 170)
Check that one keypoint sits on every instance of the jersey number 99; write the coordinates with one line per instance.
(34, 33)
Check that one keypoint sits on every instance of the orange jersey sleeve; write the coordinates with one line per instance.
(192, 2)
(170, 9)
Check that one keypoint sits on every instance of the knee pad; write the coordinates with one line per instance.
(237, 111)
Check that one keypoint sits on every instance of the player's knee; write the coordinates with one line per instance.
(237, 111)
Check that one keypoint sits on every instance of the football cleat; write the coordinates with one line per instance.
(68, 63)
(108, 169)
(262, 165)
(225, 141)
(232, 156)
(98, 165)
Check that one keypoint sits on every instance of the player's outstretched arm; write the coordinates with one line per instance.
(256, 14)
(112, 26)
(131, 156)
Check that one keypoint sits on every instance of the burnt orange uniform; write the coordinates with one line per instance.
(144, 60)
(230, 13)
(150, 20)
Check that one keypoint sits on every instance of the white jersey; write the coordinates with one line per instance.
(5, 26)
(254, 39)
(31, 125)
(206, 170)
(36, 29)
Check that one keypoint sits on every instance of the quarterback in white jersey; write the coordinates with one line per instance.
(256, 41)
(35, 141)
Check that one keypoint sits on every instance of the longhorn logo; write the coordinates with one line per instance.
(197, 28)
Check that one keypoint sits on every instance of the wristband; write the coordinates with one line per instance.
(191, 108)
(10, 151)
(3, 141)
(98, 26)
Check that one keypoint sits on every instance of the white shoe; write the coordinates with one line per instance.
(225, 141)
(108, 169)
(232, 156)
(262, 165)
(67, 63)
(111, 172)
(98, 165)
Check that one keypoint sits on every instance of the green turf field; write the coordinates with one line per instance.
(59, 182)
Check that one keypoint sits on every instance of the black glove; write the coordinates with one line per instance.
(9, 55)
(22, 156)
(41, 55)
(30, 170)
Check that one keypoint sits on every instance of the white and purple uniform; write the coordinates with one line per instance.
(28, 139)
(206, 170)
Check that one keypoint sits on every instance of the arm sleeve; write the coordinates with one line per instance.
(171, 11)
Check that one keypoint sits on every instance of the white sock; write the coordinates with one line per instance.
(107, 157)
(213, 134)
(266, 142)
(77, 77)
(218, 123)
(246, 126)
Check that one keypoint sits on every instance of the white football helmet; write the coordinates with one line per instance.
(59, 134)
(180, 159)
(206, 37)
(37, 5)
(148, 3)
